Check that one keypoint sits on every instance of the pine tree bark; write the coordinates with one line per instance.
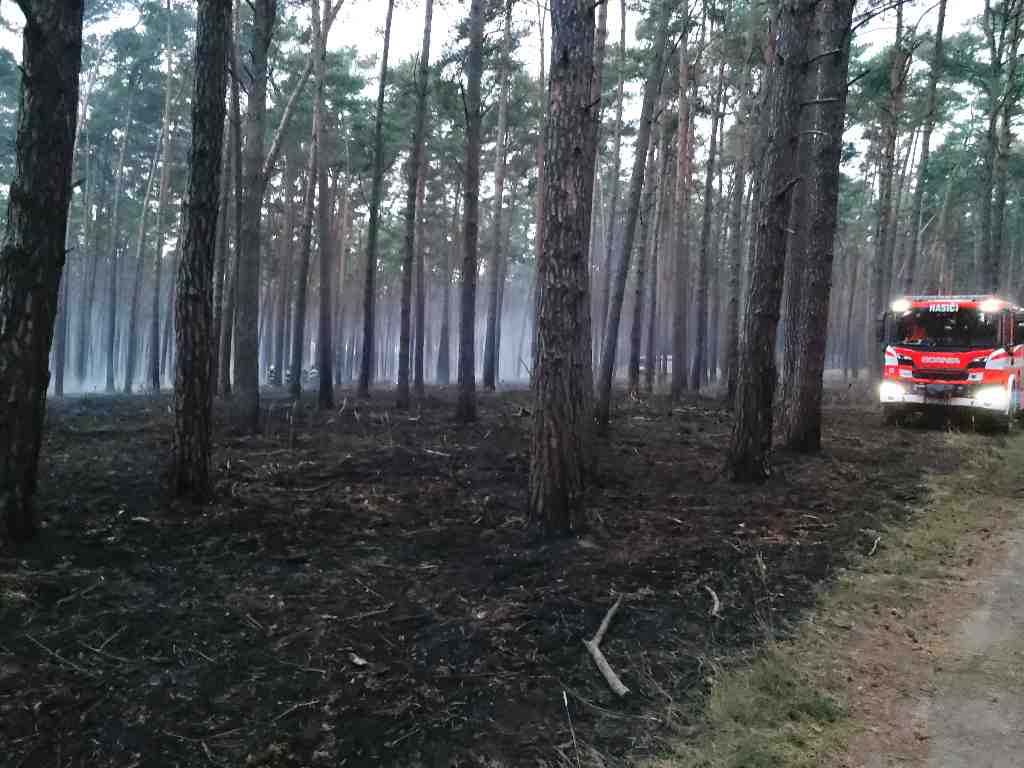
(538, 203)
(302, 276)
(660, 215)
(166, 354)
(314, 170)
(421, 285)
(821, 139)
(609, 242)
(325, 342)
(560, 442)
(414, 170)
(917, 207)
(497, 267)
(220, 260)
(611, 338)
(193, 396)
(368, 363)
(114, 244)
(153, 364)
(444, 335)
(140, 245)
(227, 328)
(680, 233)
(704, 263)
(785, 54)
(246, 345)
(647, 235)
(881, 273)
(60, 342)
(736, 241)
(465, 410)
(281, 359)
(32, 254)
(89, 257)
(1000, 165)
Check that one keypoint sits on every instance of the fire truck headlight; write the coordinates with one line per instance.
(992, 397)
(890, 391)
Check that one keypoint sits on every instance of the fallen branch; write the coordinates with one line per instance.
(594, 647)
(874, 547)
(296, 707)
(716, 604)
(60, 658)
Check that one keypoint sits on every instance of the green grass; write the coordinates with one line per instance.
(784, 707)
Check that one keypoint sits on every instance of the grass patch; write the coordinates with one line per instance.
(787, 705)
(764, 714)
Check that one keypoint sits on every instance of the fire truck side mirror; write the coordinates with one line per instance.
(880, 328)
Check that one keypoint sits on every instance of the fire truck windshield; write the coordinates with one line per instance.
(962, 329)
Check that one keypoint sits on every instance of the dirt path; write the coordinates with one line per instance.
(975, 718)
(945, 689)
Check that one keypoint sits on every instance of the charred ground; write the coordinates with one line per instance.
(366, 592)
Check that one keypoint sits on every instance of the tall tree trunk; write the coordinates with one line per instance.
(560, 442)
(153, 366)
(647, 235)
(704, 264)
(369, 292)
(165, 343)
(415, 170)
(89, 257)
(193, 310)
(496, 270)
(114, 243)
(314, 172)
(785, 71)
(611, 337)
(302, 277)
(660, 215)
(736, 230)
(899, 61)
(609, 242)
(538, 213)
(466, 409)
(680, 233)
(421, 286)
(134, 337)
(246, 346)
(444, 341)
(61, 340)
(325, 342)
(227, 328)
(917, 210)
(220, 260)
(821, 139)
(1001, 161)
(281, 359)
(917, 207)
(32, 254)
(324, 346)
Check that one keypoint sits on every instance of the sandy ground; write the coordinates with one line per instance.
(947, 678)
(975, 718)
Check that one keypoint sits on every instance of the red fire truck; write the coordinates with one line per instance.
(953, 352)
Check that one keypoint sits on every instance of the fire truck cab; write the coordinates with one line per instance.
(953, 352)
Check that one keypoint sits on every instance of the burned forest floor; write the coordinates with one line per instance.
(365, 590)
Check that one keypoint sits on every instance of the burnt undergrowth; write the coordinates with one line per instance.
(365, 590)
